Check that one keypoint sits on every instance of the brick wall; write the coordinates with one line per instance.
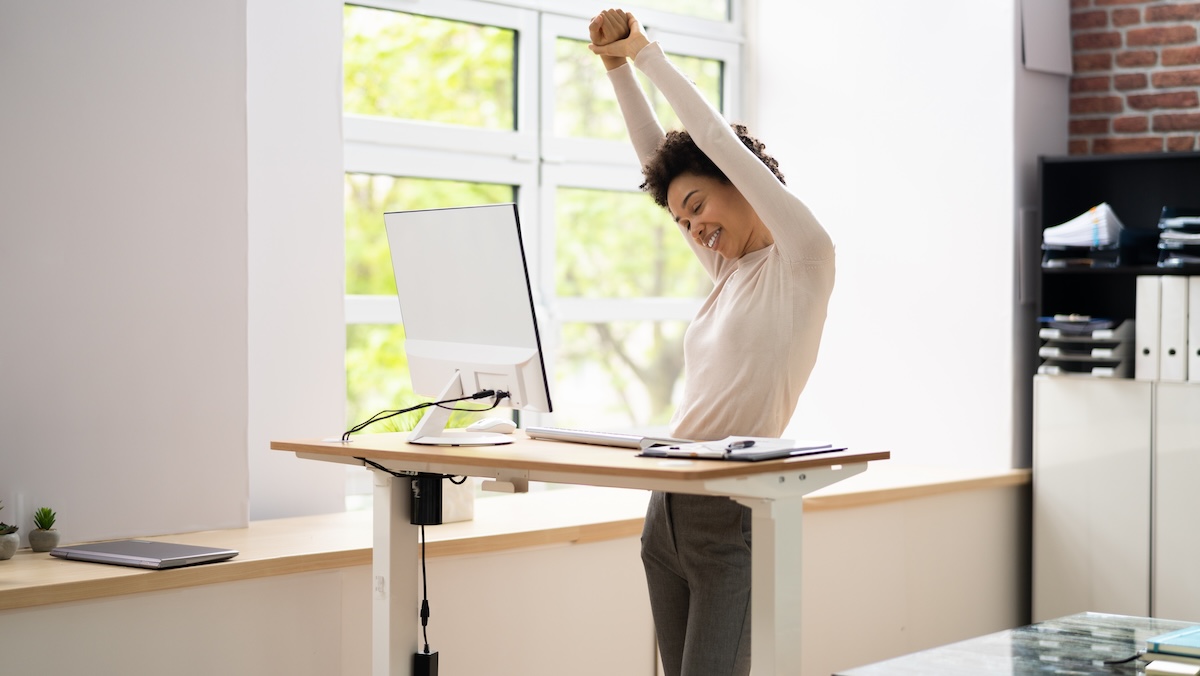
(1136, 85)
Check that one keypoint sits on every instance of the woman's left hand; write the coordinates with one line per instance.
(608, 26)
(627, 46)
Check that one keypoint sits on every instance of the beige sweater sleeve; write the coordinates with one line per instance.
(644, 130)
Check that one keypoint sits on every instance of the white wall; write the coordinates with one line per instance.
(289, 624)
(1042, 112)
(123, 259)
(892, 578)
(170, 262)
(297, 341)
(895, 123)
(577, 608)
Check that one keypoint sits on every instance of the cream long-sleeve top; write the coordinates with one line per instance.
(752, 346)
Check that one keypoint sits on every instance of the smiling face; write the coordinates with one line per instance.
(716, 215)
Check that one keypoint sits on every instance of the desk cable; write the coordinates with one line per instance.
(424, 663)
(498, 395)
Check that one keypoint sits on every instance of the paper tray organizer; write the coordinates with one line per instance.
(1076, 348)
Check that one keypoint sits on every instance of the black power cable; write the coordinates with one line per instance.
(424, 594)
(384, 415)
(424, 663)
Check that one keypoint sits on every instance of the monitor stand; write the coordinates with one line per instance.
(431, 431)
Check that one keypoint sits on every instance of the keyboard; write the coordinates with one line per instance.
(586, 437)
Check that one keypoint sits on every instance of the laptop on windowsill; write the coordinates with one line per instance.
(143, 554)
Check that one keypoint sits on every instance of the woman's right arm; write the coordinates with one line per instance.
(644, 130)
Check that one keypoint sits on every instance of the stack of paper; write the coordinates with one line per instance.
(1096, 228)
(1171, 667)
(1179, 237)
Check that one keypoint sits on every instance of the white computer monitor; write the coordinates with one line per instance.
(468, 313)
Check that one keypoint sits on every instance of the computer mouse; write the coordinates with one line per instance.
(499, 425)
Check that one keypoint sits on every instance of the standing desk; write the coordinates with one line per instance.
(772, 489)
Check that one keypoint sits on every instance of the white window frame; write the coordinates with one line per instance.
(520, 143)
(573, 309)
(732, 30)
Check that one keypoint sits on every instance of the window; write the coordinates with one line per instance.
(466, 102)
(413, 67)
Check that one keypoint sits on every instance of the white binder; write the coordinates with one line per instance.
(1146, 326)
(1194, 329)
(1173, 330)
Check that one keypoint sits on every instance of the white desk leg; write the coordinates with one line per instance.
(394, 605)
(775, 585)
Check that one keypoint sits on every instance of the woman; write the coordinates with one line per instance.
(748, 353)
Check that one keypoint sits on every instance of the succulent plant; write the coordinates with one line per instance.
(5, 529)
(43, 518)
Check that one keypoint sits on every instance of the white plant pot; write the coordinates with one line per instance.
(8, 545)
(43, 540)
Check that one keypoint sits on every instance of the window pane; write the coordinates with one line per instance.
(434, 70)
(618, 375)
(368, 196)
(585, 105)
(621, 245)
(377, 376)
(377, 380)
(716, 10)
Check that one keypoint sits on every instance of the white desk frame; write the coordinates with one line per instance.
(775, 498)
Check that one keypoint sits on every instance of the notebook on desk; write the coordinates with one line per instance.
(144, 553)
(745, 449)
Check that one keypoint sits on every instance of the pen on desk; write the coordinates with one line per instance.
(740, 444)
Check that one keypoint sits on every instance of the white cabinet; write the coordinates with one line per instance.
(1091, 496)
(1176, 530)
(1116, 498)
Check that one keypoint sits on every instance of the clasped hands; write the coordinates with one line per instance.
(616, 33)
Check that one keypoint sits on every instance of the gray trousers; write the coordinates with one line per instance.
(696, 552)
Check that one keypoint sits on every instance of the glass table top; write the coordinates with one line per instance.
(1076, 644)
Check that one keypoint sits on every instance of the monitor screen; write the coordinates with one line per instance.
(467, 308)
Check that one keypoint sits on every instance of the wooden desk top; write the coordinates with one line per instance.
(538, 455)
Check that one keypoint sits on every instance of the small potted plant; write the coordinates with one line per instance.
(9, 540)
(43, 537)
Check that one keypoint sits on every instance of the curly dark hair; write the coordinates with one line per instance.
(678, 154)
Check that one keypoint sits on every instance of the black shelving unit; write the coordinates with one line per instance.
(1137, 187)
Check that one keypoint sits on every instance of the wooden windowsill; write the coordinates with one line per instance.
(331, 541)
(890, 481)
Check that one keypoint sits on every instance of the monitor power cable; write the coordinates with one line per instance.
(499, 395)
